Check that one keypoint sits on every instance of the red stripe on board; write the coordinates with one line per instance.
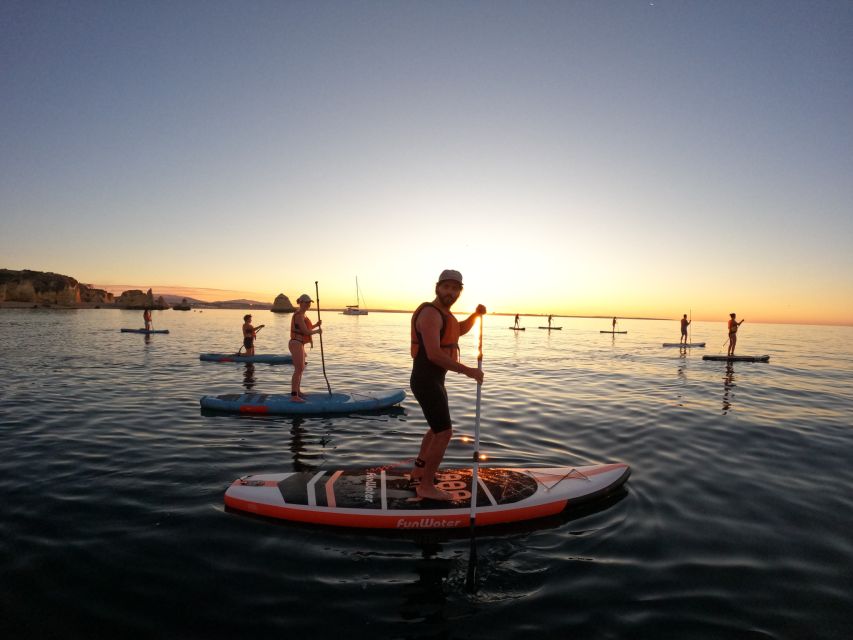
(253, 408)
(330, 488)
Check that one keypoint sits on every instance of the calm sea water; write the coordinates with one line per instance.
(737, 521)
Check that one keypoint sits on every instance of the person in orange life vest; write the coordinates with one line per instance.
(733, 327)
(146, 317)
(249, 334)
(684, 324)
(301, 331)
(435, 351)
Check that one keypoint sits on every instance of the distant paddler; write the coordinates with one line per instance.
(684, 324)
(516, 321)
(614, 324)
(733, 327)
(550, 317)
(435, 351)
(146, 318)
(249, 334)
(301, 330)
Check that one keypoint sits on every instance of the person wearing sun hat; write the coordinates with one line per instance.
(435, 351)
(301, 330)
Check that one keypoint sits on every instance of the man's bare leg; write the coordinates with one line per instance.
(420, 463)
(432, 459)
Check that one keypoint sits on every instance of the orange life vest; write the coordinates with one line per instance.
(732, 327)
(297, 334)
(448, 337)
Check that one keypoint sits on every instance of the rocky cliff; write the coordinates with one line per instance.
(45, 288)
(135, 299)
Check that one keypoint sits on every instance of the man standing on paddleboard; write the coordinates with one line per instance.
(684, 324)
(435, 349)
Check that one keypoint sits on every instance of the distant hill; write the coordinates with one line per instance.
(172, 299)
(244, 302)
(241, 303)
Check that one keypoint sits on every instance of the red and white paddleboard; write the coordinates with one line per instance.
(380, 498)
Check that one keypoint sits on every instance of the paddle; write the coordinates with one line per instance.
(322, 357)
(471, 580)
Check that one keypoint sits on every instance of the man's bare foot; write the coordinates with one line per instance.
(296, 399)
(431, 492)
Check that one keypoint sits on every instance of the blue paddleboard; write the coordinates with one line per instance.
(317, 403)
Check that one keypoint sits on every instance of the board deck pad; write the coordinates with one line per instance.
(384, 498)
(359, 489)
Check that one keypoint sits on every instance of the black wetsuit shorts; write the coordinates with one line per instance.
(427, 383)
(248, 342)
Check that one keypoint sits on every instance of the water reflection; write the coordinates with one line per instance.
(249, 376)
(728, 385)
(297, 445)
(426, 597)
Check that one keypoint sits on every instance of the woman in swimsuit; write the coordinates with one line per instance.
(301, 330)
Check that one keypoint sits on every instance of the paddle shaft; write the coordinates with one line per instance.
(471, 579)
(322, 356)
(476, 459)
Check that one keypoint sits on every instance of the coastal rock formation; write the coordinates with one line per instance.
(91, 296)
(46, 288)
(135, 299)
(282, 304)
(183, 306)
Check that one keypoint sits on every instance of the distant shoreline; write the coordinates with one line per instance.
(55, 307)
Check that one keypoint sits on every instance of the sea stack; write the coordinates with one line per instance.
(282, 304)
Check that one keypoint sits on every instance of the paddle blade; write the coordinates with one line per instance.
(473, 575)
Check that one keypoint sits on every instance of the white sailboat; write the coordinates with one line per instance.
(354, 309)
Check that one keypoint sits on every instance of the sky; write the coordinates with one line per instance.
(627, 158)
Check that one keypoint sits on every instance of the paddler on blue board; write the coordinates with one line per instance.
(435, 350)
(733, 327)
(249, 334)
(301, 331)
(146, 318)
(684, 324)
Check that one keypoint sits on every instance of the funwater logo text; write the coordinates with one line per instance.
(369, 487)
(427, 523)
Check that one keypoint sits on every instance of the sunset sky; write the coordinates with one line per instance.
(626, 158)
